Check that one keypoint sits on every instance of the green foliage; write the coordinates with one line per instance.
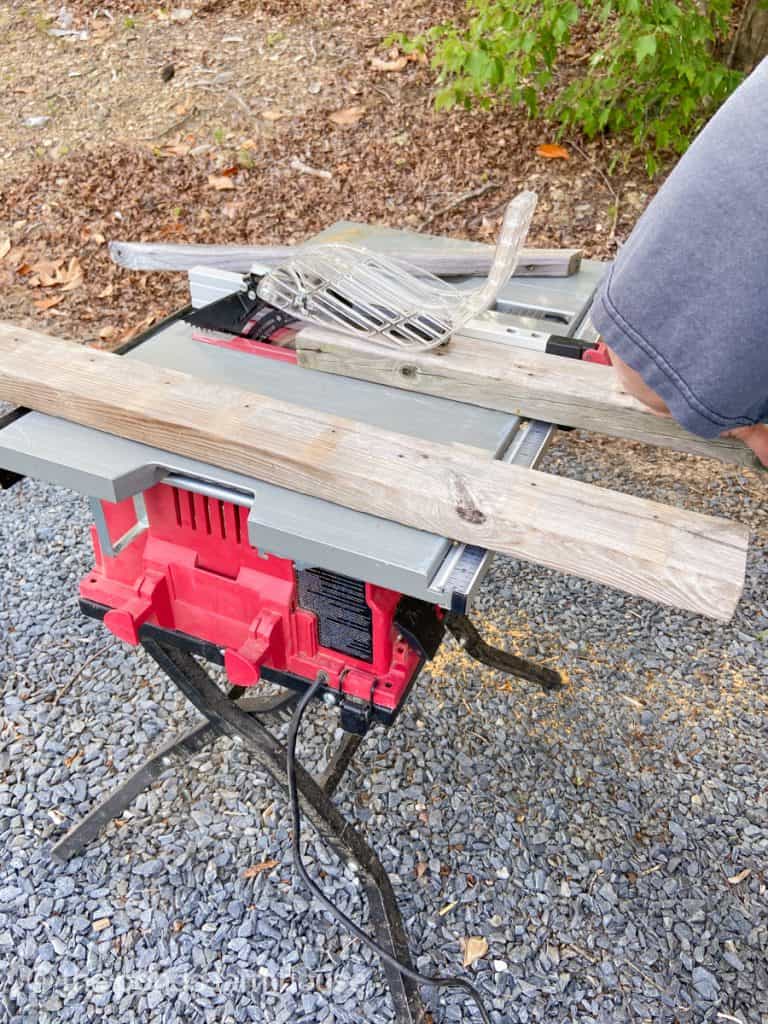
(652, 75)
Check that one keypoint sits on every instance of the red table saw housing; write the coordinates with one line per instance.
(194, 571)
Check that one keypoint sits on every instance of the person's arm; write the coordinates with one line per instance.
(754, 437)
(684, 308)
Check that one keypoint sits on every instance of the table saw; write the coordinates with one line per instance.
(200, 564)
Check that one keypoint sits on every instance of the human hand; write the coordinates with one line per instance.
(755, 437)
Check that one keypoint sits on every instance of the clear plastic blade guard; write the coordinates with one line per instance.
(357, 291)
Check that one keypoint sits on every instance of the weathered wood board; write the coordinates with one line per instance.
(688, 560)
(568, 392)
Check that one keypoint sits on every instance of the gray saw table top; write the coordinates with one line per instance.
(285, 523)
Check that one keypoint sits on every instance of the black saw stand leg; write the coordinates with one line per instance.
(470, 640)
(179, 749)
(346, 842)
(86, 829)
(231, 714)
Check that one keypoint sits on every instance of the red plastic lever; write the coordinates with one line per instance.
(265, 641)
(598, 355)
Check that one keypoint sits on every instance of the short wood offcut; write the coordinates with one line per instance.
(675, 557)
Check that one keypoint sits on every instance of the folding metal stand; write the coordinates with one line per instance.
(241, 717)
(234, 714)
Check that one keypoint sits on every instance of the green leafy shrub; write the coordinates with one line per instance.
(652, 73)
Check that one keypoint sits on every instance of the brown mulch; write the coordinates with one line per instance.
(228, 173)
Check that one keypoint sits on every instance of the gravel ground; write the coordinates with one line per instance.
(609, 843)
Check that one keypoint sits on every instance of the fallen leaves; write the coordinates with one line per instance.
(130, 332)
(89, 233)
(552, 151)
(43, 305)
(44, 273)
(62, 274)
(742, 876)
(220, 182)
(474, 948)
(175, 149)
(347, 117)
(397, 61)
(72, 277)
(14, 257)
(256, 869)
(116, 338)
(396, 147)
(5, 248)
(389, 65)
(54, 274)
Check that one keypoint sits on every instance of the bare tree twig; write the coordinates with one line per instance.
(463, 198)
(176, 124)
(474, 221)
(73, 679)
(240, 101)
(608, 184)
(598, 170)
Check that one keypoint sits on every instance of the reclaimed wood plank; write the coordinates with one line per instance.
(495, 375)
(668, 555)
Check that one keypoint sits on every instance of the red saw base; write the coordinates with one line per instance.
(193, 571)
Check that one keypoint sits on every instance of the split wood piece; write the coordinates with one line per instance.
(688, 560)
(496, 375)
(472, 261)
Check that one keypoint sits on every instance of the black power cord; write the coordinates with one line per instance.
(348, 923)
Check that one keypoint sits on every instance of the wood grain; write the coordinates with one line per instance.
(568, 392)
(675, 557)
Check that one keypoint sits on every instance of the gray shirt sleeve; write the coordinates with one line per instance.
(686, 301)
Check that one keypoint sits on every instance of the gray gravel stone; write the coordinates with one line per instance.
(705, 984)
(587, 838)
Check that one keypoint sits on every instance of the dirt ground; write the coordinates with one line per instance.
(248, 122)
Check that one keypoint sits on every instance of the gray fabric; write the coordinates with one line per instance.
(686, 302)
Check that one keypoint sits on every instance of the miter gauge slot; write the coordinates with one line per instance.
(465, 565)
